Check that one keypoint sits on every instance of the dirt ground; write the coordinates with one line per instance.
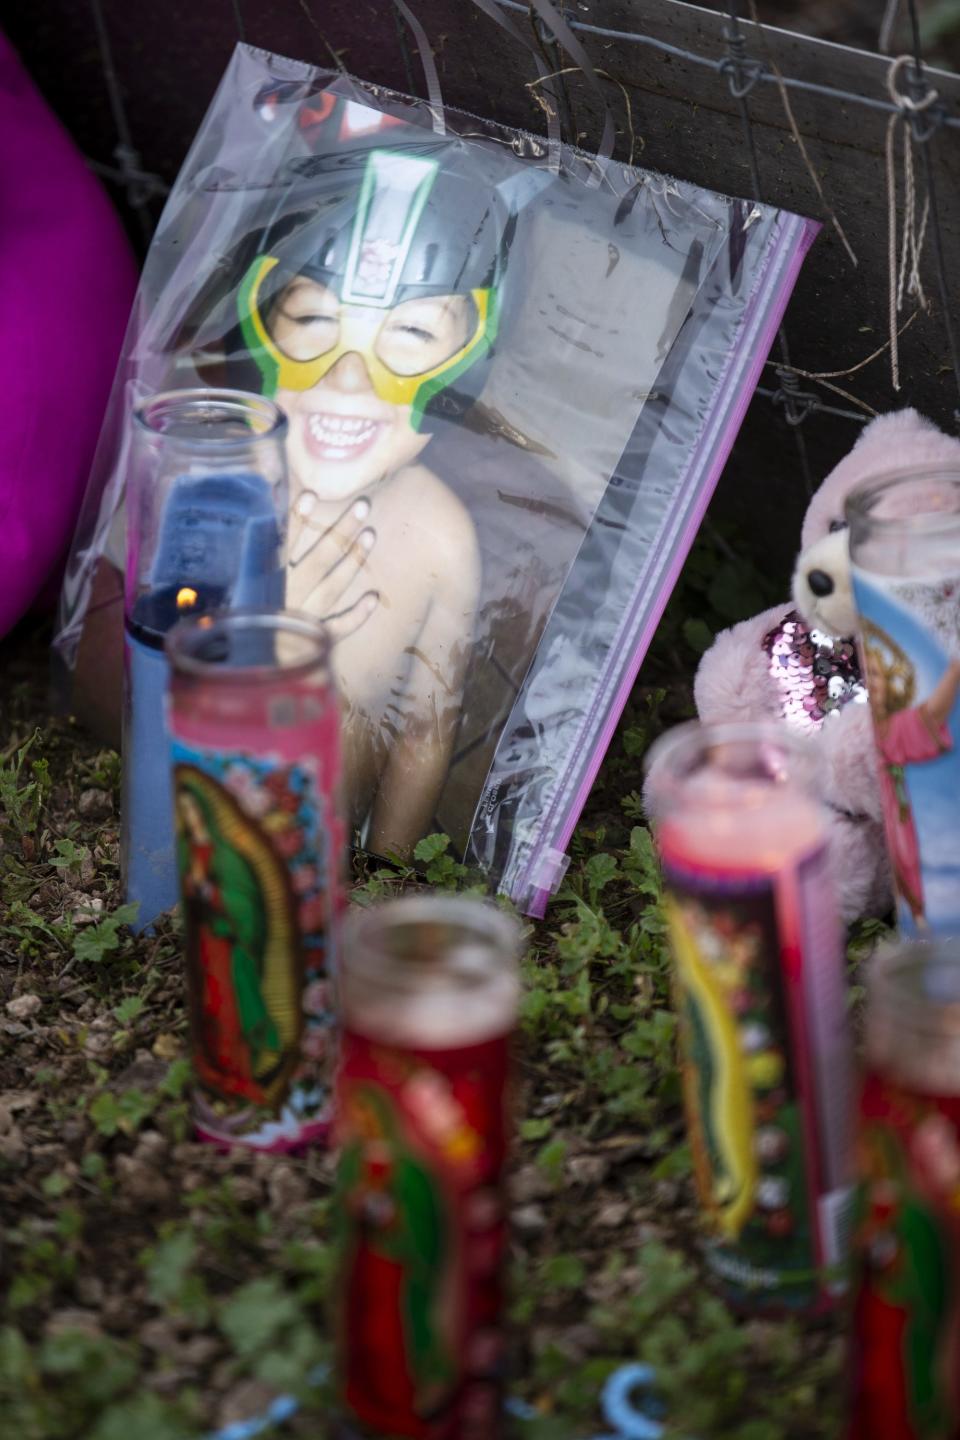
(150, 1284)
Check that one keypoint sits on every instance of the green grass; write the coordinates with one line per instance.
(152, 1287)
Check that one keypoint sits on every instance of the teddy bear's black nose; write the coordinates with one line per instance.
(820, 583)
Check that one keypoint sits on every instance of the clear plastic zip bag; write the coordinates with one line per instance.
(512, 374)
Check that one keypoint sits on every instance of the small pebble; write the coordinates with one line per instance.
(529, 1183)
(13, 1147)
(159, 1334)
(579, 1341)
(246, 1190)
(95, 803)
(287, 1188)
(89, 1290)
(529, 1219)
(86, 1321)
(141, 1181)
(612, 1215)
(168, 1381)
(198, 1350)
(166, 1047)
(245, 1399)
(587, 1169)
(87, 909)
(666, 1193)
(21, 1007)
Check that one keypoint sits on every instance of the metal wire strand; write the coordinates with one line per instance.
(923, 136)
(709, 62)
(141, 185)
(744, 74)
(789, 392)
(429, 64)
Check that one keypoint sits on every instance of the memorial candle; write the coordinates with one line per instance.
(206, 518)
(760, 995)
(905, 1355)
(428, 991)
(254, 730)
(905, 569)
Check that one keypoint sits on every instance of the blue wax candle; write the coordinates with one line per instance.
(220, 546)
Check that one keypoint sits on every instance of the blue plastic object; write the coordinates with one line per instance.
(220, 537)
(617, 1401)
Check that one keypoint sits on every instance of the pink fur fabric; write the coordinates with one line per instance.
(733, 681)
(889, 443)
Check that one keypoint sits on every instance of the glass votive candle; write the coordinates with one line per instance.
(905, 568)
(206, 521)
(254, 730)
(905, 1352)
(429, 989)
(766, 1053)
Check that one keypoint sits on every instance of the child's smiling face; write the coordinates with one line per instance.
(344, 437)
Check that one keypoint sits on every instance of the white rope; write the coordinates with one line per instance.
(903, 271)
(886, 27)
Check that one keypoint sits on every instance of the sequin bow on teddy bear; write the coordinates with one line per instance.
(798, 662)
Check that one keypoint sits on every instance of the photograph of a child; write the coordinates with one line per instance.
(463, 338)
(358, 325)
(913, 686)
(432, 528)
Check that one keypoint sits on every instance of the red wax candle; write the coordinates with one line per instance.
(429, 992)
(905, 1357)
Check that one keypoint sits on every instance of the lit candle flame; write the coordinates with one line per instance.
(187, 598)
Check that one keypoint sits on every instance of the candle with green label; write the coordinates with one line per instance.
(760, 996)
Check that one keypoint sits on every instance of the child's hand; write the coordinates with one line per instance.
(336, 554)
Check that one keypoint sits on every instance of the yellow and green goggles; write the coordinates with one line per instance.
(363, 330)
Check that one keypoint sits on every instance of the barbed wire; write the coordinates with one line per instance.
(919, 107)
(141, 185)
(741, 75)
(743, 72)
(760, 73)
(924, 126)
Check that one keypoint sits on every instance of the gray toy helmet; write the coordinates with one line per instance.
(391, 214)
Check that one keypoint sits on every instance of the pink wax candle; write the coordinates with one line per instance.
(253, 721)
(762, 1010)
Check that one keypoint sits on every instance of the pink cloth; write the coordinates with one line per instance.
(907, 739)
(68, 279)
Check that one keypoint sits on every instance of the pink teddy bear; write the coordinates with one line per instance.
(798, 662)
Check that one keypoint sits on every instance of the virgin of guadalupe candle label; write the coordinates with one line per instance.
(905, 1368)
(761, 1015)
(422, 1221)
(258, 898)
(910, 640)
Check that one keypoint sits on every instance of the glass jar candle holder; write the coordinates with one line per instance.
(429, 989)
(905, 1352)
(254, 730)
(206, 524)
(760, 996)
(905, 566)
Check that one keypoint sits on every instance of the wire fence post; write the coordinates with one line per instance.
(924, 126)
(141, 186)
(742, 74)
(742, 71)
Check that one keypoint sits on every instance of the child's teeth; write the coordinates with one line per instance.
(340, 430)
